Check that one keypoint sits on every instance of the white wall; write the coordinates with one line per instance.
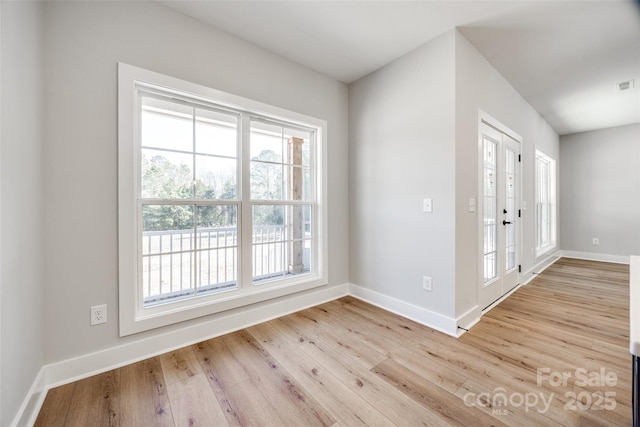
(480, 86)
(401, 121)
(21, 242)
(84, 41)
(600, 191)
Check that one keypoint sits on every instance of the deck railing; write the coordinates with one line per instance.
(168, 260)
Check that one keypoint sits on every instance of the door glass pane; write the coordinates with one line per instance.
(510, 209)
(490, 209)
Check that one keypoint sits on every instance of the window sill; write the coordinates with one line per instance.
(545, 251)
(145, 319)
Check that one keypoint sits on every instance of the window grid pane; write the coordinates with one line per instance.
(510, 203)
(177, 261)
(280, 162)
(282, 241)
(490, 210)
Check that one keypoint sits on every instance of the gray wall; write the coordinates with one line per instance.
(84, 41)
(480, 86)
(21, 226)
(600, 191)
(414, 134)
(402, 150)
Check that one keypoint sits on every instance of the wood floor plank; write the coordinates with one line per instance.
(194, 404)
(363, 382)
(340, 338)
(56, 406)
(143, 395)
(433, 371)
(348, 409)
(219, 365)
(270, 377)
(96, 401)
(224, 373)
(180, 365)
(431, 396)
(250, 408)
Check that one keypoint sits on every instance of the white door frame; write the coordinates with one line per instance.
(497, 125)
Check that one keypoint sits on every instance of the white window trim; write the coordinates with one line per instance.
(553, 176)
(134, 317)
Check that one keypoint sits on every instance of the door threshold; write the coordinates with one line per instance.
(499, 300)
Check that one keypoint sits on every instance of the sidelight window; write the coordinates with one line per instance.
(545, 203)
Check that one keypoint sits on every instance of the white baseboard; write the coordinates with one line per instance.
(540, 266)
(66, 371)
(420, 315)
(617, 259)
(31, 406)
(499, 300)
(468, 319)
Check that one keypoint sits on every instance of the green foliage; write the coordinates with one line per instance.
(162, 179)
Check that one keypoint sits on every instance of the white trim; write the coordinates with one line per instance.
(617, 259)
(77, 368)
(468, 319)
(634, 306)
(540, 266)
(499, 300)
(134, 317)
(30, 408)
(487, 119)
(553, 196)
(420, 315)
(491, 122)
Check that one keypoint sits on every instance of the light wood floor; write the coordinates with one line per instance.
(347, 363)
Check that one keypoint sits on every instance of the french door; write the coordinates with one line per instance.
(500, 221)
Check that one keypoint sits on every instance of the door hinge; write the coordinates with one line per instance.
(519, 268)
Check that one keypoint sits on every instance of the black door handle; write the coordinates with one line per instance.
(506, 222)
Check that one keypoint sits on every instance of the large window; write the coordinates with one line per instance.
(220, 201)
(545, 203)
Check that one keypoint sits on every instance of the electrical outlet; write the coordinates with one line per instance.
(426, 283)
(98, 314)
(427, 205)
(595, 241)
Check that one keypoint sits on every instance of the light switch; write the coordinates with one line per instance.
(472, 204)
(427, 205)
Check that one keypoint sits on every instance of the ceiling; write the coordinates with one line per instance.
(564, 57)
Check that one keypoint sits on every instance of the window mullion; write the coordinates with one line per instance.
(246, 216)
(194, 263)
